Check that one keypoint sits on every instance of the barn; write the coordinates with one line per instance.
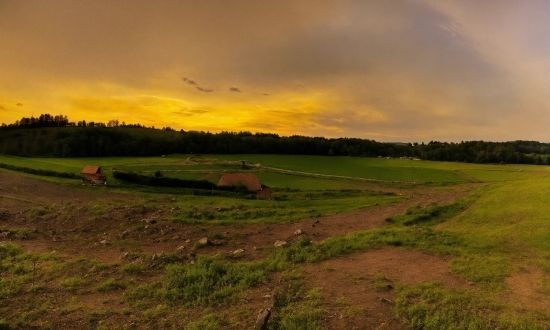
(248, 181)
(93, 175)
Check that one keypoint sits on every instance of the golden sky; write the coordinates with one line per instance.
(400, 70)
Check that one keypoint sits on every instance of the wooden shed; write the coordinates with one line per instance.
(92, 174)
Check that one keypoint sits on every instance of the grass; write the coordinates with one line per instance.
(501, 228)
(290, 206)
(360, 167)
(430, 306)
(510, 219)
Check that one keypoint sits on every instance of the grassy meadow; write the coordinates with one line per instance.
(495, 233)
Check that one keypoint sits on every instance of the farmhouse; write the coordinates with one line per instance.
(92, 175)
(248, 181)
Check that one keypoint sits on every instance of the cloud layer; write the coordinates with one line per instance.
(415, 70)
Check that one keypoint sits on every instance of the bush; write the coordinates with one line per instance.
(40, 172)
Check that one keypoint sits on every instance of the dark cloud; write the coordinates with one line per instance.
(205, 90)
(19, 104)
(189, 81)
(2, 108)
(235, 89)
(197, 86)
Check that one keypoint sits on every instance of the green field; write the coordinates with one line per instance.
(494, 230)
(389, 170)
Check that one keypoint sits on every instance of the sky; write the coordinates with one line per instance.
(392, 71)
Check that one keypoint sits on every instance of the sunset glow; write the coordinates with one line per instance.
(409, 70)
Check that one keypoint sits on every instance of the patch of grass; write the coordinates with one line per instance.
(210, 321)
(111, 285)
(341, 301)
(430, 215)
(133, 268)
(430, 306)
(37, 212)
(215, 210)
(381, 283)
(487, 269)
(154, 313)
(302, 310)
(210, 280)
(72, 284)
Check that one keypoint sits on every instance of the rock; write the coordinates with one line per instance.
(187, 240)
(298, 232)
(181, 247)
(204, 241)
(175, 237)
(216, 242)
(261, 320)
(103, 242)
(386, 300)
(239, 251)
(279, 243)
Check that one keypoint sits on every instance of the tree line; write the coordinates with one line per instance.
(114, 139)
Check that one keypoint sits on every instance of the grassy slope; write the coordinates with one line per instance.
(511, 218)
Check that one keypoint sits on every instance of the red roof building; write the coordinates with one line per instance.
(92, 175)
(247, 180)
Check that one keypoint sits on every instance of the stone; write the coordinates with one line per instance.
(298, 232)
(279, 243)
(261, 320)
(239, 251)
(204, 241)
(386, 300)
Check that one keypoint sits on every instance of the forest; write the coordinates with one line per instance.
(56, 136)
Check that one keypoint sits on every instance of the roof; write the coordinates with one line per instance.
(248, 180)
(91, 169)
